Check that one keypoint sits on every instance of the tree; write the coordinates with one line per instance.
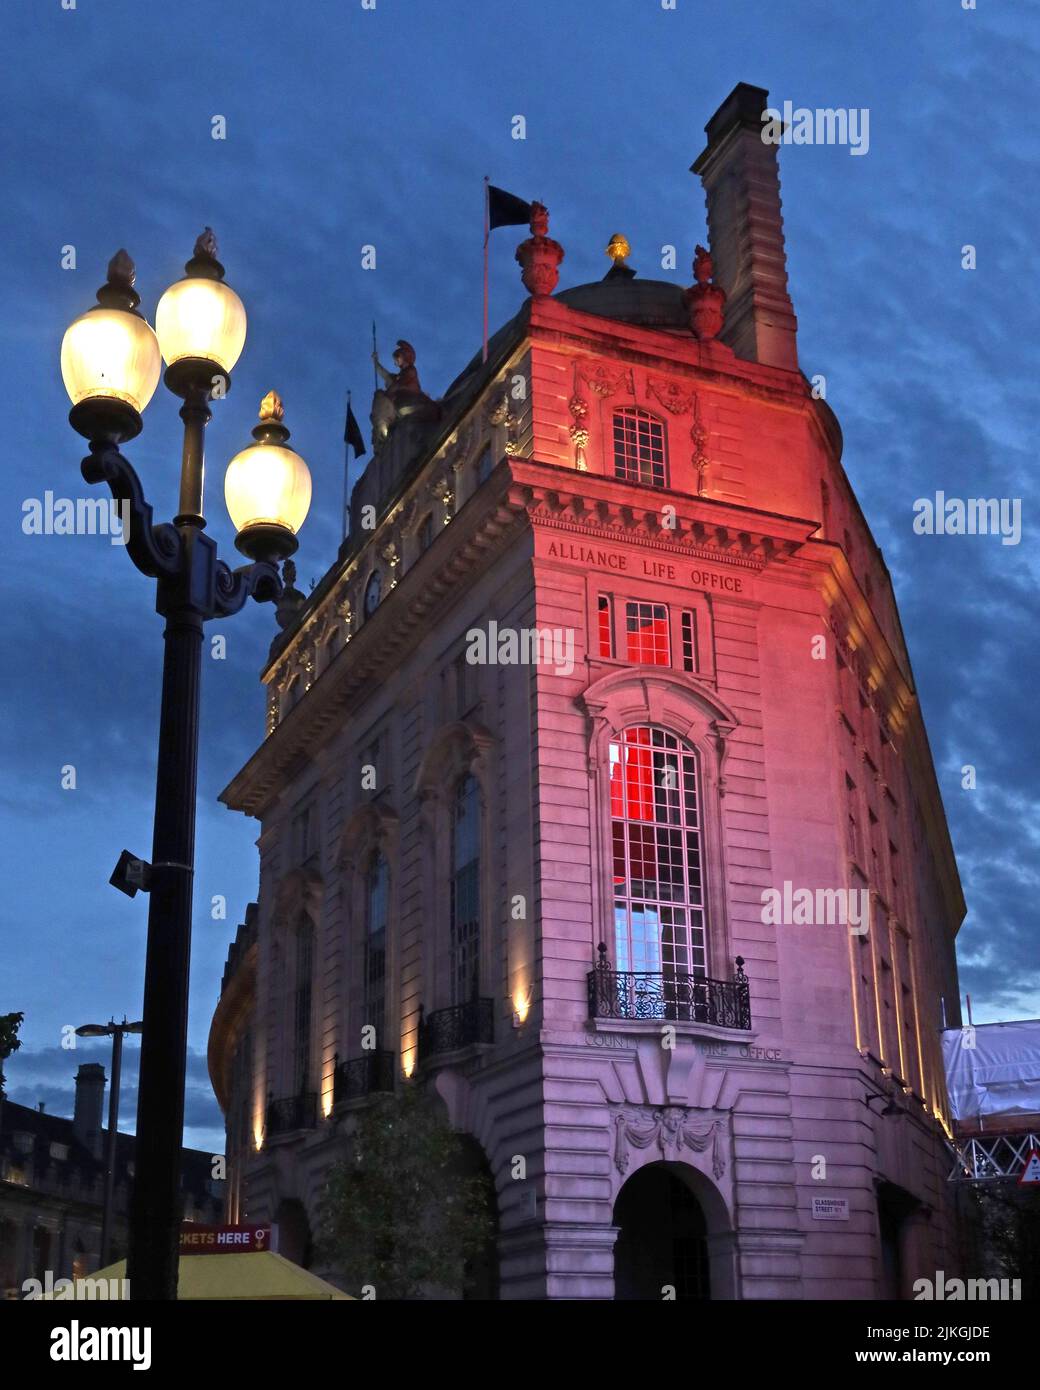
(400, 1213)
(9, 1040)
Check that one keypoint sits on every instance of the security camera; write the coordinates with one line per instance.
(131, 874)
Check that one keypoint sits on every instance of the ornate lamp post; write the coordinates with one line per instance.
(110, 364)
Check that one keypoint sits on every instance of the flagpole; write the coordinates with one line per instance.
(346, 480)
(375, 353)
(487, 234)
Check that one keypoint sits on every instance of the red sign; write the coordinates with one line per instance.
(223, 1240)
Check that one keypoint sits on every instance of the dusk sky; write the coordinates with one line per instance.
(349, 126)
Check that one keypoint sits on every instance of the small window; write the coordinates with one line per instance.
(425, 533)
(466, 687)
(373, 593)
(305, 833)
(465, 892)
(605, 615)
(646, 634)
(484, 466)
(378, 894)
(639, 447)
(689, 640)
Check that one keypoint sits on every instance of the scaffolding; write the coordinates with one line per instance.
(992, 1157)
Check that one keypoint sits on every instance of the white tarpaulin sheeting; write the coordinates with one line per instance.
(993, 1069)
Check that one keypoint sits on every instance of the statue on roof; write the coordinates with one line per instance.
(402, 395)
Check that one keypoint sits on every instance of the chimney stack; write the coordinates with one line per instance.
(90, 1096)
(741, 181)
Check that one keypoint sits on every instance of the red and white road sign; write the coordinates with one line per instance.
(1031, 1172)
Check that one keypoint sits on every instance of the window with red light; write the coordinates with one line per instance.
(646, 634)
(639, 447)
(689, 640)
(659, 922)
(605, 615)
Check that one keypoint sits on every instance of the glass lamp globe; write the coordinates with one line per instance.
(201, 324)
(267, 488)
(110, 360)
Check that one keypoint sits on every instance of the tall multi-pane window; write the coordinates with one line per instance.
(605, 621)
(376, 912)
(465, 892)
(689, 639)
(302, 995)
(646, 634)
(639, 447)
(658, 874)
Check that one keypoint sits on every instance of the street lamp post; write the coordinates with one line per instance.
(117, 1031)
(110, 365)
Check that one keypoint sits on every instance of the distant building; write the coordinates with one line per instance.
(596, 798)
(52, 1174)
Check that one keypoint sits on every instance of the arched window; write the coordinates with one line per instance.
(377, 893)
(639, 447)
(302, 997)
(465, 892)
(655, 818)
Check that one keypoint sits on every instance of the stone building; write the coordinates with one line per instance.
(596, 798)
(52, 1173)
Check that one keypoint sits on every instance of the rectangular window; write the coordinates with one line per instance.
(305, 834)
(302, 1010)
(689, 640)
(605, 619)
(466, 689)
(638, 447)
(484, 466)
(646, 634)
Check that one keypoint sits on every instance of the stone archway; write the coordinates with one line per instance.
(674, 1238)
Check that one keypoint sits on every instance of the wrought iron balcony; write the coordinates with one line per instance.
(668, 997)
(446, 1030)
(364, 1076)
(292, 1112)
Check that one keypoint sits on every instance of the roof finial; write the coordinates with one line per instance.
(539, 256)
(618, 248)
(704, 299)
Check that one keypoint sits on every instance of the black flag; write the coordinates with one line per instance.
(505, 209)
(352, 433)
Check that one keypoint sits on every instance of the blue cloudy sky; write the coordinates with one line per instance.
(348, 126)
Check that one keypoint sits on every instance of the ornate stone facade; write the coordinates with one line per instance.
(696, 622)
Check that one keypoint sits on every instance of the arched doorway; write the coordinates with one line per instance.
(480, 1274)
(666, 1239)
(294, 1232)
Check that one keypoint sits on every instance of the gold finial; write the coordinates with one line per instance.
(618, 248)
(271, 407)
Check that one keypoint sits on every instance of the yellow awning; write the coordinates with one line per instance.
(257, 1274)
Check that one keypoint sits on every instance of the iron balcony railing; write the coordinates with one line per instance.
(292, 1112)
(669, 997)
(364, 1076)
(446, 1030)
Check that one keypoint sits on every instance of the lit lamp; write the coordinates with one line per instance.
(267, 488)
(201, 325)
(110, 360)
